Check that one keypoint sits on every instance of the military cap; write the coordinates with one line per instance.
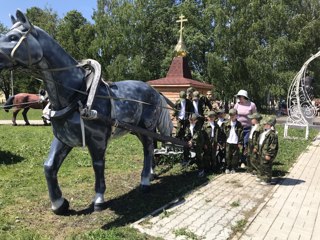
(193, 116)
(270, 121)
(211, 114)
(233, 112)
(195, 94)
(182, 94)
(255, 116)
(220, 111)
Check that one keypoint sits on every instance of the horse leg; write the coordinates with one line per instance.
(14, 117)
(58, 152)
(97, 151)
(24, 114)
(148, 151)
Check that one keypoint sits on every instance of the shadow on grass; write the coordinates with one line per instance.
(277, 164)
(8, 158)
(135, 205)
(288, 181)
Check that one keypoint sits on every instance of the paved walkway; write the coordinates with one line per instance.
(293, 210)
(288, 210)
(21, 122)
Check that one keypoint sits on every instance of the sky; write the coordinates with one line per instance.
(85, 7)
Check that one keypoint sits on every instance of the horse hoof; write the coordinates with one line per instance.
(98, 207)
(152, 177)
(144, 188)
(27, 124)
(64, 209)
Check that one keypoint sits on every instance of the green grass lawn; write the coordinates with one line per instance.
(24, 203)
(33, 114)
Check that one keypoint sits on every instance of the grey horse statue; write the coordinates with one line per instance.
(132, 102)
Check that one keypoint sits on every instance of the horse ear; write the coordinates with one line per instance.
(13, 19)
(21, 17)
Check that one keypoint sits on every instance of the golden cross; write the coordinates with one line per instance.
(182, 19)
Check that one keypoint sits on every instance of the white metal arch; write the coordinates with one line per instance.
(301, 111)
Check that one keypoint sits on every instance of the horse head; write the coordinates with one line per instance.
(20, 46)
(31, 47)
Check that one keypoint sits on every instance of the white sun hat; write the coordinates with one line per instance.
(243, 93)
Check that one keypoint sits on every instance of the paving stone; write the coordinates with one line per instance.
(288, 210)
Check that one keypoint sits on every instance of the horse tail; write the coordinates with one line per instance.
(8, 103)
(164, 123)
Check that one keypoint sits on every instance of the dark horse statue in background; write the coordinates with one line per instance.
(29, 46)
(24, 101)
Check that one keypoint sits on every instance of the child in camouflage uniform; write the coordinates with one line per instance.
(196, 141)
(234, 135)
(212, 138)
(268, 149)
(253, 144)
(221, 155)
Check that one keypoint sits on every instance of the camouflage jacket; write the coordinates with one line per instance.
(207, 102)
(254, 141)
(217, 134)
(222, 139)
(238, 128)
(269, 146)
(198, 138)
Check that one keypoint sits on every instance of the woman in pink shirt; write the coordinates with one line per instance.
(244, 107)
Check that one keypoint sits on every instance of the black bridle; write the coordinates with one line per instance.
(10, 56)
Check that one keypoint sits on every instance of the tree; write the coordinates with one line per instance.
(260, 45)
(138, 31)
(46, 18)
(75, 34)
(5, 85)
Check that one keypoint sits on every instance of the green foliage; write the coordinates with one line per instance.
(240, 224)
(5, 83)
(3, 29)
(235, 203)
(112, 234)
(254, 45)
(46, 18)
(188, 234)
(260, 45)
(23, 234)
(75, 34)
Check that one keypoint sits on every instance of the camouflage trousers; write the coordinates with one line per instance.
(181, 128)
(210, 157)
(232, 156)
(265, 173)
(199, 159)
(253, 162)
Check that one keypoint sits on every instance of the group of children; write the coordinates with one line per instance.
(221, 139)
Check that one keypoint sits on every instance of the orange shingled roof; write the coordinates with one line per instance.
(179, 74)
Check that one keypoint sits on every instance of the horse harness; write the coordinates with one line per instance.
(91, 83)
